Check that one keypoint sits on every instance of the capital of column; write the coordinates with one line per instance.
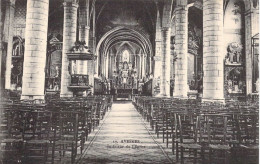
(165, 29)
(81, 27)
(181, 7)
(142, 55)
(69, 3)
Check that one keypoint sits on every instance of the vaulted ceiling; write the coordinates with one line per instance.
(135, 14)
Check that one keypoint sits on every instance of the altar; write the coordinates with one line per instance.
(124, 82)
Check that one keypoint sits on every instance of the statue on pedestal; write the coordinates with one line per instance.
(234, 53)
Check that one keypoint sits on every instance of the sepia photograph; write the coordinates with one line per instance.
(129, 81)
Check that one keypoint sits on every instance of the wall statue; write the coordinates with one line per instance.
(194, 39)
(234, 53)
(18, 46)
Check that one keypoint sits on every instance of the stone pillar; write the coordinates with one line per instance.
(10, 9)
(143, 67)
(248, 56)
(157, 59)
(252, 24)
(158, 51)
(1, 53)
(213, 56)
(165, 74)
(146, 65)
(151, 64)
(111, 64)
(69, 38)
(102, 66)
(139, 66)
(181, 49)
(84, 34)
(90, 68)
(35, 49)
(107, 66)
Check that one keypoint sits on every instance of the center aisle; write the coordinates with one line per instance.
(123, 138)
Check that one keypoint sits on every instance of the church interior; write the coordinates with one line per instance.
(129, 81)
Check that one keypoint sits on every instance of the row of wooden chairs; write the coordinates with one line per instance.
(204, 132)
(49, 132)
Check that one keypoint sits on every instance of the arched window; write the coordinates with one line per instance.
(125, 56)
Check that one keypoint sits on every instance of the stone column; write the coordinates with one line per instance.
(139, 66)
(252, 24)
(83, 34)
(143, 67)
(165, 74)
(158, 51)
(69, 38)
(111, 65)
(248, 50)
(181, 47)
(107, 66)
(103, 66)
(213, 56)
(151, 65)
(10, 9)
(35, 49)
(1, 25)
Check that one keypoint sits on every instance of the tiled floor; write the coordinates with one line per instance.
(123, 138)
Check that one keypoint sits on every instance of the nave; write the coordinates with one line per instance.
(94, 129)
(190, 67)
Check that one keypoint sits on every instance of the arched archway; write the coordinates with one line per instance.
(124, 74)
(123, 34)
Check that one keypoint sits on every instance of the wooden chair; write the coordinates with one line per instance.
(214, 137)
(187, 140)
(247, 151)
(36, 134)
(68, 138)
(10, 141)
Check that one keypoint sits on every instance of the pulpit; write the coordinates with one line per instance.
(79, 81)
